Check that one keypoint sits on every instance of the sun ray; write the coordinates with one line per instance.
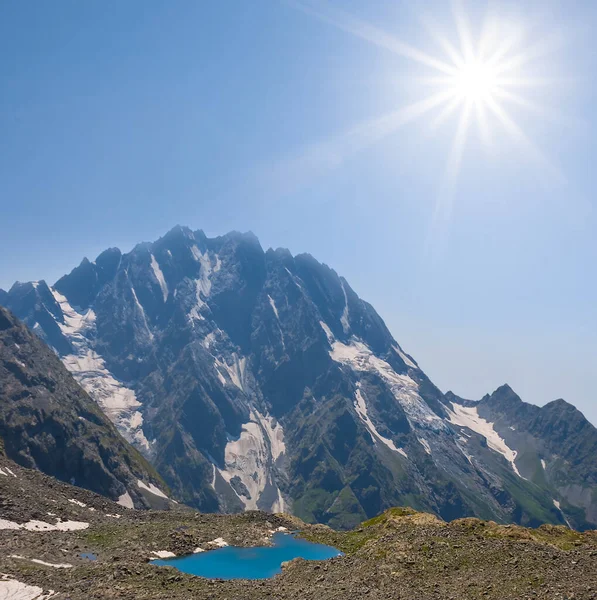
(323, 11)
(443, 42)
(538, 50)
(519, 137)
(538, 109)
(488, 35)
(445, 113)
(442, 212)
(533, 82)
(478, 77)
(481, 114)
(328, 154)
(467, 43)
(508, 42)
(457, 150)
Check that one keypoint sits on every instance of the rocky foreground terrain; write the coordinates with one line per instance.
(49, 529)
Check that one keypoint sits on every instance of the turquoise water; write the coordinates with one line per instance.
(89, 556)
(260, 562)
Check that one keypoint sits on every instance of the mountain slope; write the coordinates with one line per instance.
(49, 423)
(257, 379)
(554, 446)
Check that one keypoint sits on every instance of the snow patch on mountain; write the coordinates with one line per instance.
(425, 445)
(543, 464)
(275, 309)
(118, 402)
(359, 357)
(360, 406)
(208, 340)
(327, 331)
(126, 501)
(559, 507)
(468, 416)
(344, 318)
(273, 305)
(279, 506)
(250, 458)
(236, 372)
(274, 433)
(152, 489)
(404, 357)
(160, 277)
(203, 284)
(142, 313)
(295, 280)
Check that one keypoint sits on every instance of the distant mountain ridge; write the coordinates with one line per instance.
(258, 379)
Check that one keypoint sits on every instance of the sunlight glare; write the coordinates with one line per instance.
(478, 76)
(475, 81)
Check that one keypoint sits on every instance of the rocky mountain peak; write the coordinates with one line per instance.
(259, 379)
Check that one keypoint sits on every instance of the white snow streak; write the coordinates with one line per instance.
(274, 308)
(344, 317)
(41, 562)
(558, 506)
(328, 332)
(78, 503)
(295, 279)
(468, 416)
(142, 311)
(425, 445)
(359, 357)
(236, 371)
(203, 284)
(219, 542)
(160, 277)
(118, 402)
(208, 340)
(404, 357)
(543, 464)
(152, 489)
(6, 471)
(360, 406)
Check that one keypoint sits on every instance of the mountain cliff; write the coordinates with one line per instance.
(49, 423)
(255, 379)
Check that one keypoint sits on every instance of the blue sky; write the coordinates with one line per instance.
(119, 120)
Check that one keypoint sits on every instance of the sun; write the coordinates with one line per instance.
(475, 81)
(479, 76)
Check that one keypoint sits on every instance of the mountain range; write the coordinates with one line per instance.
(251, 379)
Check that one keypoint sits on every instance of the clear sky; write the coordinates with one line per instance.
(119, 120)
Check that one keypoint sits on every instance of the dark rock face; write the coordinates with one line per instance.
(49, 423)
(556, 449)
(259, 380)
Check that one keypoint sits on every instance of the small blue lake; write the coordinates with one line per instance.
(89, 555)
(257, 562)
